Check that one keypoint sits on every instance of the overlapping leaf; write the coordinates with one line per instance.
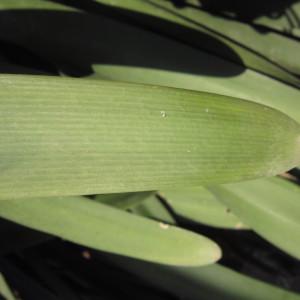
(64, 136)
(270, 206)
(123, 200)
(153, 208)
(101, 227)
(200, 205)
(145, 204)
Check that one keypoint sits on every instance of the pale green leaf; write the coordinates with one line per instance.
(153, 208)
(249, 85)
(95, 225)
(62, 136)
(123, 200)
(269, 206)
(200, 205)
(145, 204)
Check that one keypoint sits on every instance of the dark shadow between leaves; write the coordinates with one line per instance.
(190, 33)
(18, 237)
(245, 11)
(73, 42)
(18, 60)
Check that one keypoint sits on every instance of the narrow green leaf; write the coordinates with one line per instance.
(5, 291)
(269, 206)
(210, 282)
(286, 20)
(123, 200)
(200, 205)
(34, 4)
(153, 208)
(102, 227)
(144, 204)
(62, 136)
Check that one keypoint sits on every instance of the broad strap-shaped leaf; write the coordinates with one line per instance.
(210, 282)
(200, 205)
(270, 206)
(62, 136)
(249, 85)
(102, 227)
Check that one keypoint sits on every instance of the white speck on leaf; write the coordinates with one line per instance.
(239, 225)
(163, 113)
(206, 110)
(163, 225)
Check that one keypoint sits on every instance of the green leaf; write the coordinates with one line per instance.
(145, 204)
(123, 200)
(153, 208)
(62, 136)
(286, 20)
(210, 282)
(5, 291)
(249, 85)
(269, 206)
(34, 4)
(102, 227)
(200, 205)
